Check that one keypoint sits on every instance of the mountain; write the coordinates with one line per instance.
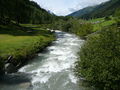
(105, 9)
(82, 11)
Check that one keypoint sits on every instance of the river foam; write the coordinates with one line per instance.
(59, 58)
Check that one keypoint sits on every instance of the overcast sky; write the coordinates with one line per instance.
(65, 7)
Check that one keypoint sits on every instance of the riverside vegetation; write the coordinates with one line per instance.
(100, 59)
(21, 43)
(100, 55)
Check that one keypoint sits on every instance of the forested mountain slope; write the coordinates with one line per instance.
(82, 11)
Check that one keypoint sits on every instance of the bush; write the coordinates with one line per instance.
(83, 30)
(107, 18)
(117, 17)
(67, 26)
(79, 27)
(100, 59)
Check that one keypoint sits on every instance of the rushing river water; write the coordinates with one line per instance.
(51, 69)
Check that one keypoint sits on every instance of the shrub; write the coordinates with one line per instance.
(100, 59)
(72, 25)
(79, 27)
(66, 27)
(84, 29)
(117, 17)
(107, 18)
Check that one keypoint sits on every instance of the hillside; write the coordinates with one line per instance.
(82, 11)
(102, 10)
(20, 40)
(23, 11)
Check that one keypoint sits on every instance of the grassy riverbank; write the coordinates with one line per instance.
(21, 43)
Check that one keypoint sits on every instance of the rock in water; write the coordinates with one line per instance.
(9, 68)
(25, 85)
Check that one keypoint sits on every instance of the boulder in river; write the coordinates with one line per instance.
(9, 68)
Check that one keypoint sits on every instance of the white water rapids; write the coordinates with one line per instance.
(53, 68)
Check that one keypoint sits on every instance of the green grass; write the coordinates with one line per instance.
(22, 42)
(42, 26)
(99, 23)
(99, 26)
(95, 20)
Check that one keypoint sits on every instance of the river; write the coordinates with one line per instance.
(51, 69)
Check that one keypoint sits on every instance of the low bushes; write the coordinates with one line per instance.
(100, 59)
(79, 27)
(82, 29)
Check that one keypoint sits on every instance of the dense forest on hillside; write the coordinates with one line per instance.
(23, 11)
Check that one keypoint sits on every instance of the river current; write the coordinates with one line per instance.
(51, 69)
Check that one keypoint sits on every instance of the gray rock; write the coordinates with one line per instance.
(9, 68)
(25, 85)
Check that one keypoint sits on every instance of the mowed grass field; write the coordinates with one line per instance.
(22, 43)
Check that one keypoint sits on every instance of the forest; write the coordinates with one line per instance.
(23, 11)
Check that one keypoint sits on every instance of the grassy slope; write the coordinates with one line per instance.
(22, 43)
(100, 22)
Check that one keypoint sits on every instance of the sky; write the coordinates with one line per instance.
(65, 7)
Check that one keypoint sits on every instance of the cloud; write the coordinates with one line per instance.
(76, 8)
(65, 7)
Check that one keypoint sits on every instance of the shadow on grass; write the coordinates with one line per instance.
(17, 30)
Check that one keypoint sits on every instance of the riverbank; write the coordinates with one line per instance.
(18, 44)
(51, 69)
(99, 55)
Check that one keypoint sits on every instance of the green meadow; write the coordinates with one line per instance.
(99, 23)
(22, 42)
